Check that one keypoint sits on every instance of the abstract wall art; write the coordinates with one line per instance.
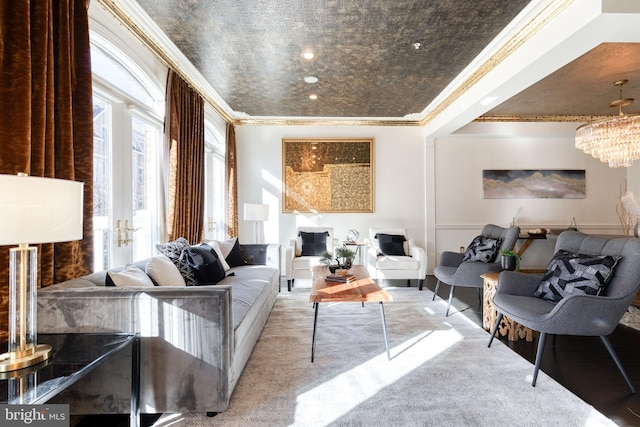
(534, 184)
(327, 175)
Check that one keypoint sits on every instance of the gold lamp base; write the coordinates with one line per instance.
(10, 362)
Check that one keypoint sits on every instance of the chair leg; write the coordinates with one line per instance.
(539, 351)
(435, 292)
(289, 282)
(409, 283)
(495, 328)
(420, 284)
(450, 299)
(614, 356)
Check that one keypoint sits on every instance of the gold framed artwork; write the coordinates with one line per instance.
(327, 175)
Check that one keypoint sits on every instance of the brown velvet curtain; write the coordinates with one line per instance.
(46, 118)
(185, 120)
(232, 182)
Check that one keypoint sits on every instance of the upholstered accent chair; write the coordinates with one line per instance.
(391, 254)
(588, 286)
(304, 251)
(482, 256)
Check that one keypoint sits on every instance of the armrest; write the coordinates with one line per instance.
(191, 319)
(450, 259)
(588, 315)
(516, 283)
(418, 254)
(469, 272)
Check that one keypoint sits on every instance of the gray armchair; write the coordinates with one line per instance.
(583, 315)
(453, 271)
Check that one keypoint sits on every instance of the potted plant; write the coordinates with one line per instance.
(345, 256)
(510, 260)
(327, 259)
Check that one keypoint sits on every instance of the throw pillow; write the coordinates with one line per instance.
(313, 244)
(205, 263)
(391, 244)
(174, 251)
(234, 258)
(130, 276)
(570, 273)
(483, 249)
(230, 250)
(164, 272)
(216, 247)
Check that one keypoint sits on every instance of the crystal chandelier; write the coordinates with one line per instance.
(614, 140)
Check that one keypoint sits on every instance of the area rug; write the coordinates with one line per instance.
(441, 372)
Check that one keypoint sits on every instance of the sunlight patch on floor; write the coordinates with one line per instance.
(364, 381)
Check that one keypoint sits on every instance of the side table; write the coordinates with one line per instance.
(72, 358)
(358, 251)
(513, 330)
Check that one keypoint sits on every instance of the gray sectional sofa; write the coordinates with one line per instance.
(195, 340)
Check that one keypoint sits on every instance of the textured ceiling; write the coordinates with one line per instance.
(583, 86)
(366, 63)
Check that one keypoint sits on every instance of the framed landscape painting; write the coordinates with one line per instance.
(327, 175)
(534, 184)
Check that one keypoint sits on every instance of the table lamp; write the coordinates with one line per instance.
(257, 213)
(32, 210)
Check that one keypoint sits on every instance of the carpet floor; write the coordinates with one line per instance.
(441, 372)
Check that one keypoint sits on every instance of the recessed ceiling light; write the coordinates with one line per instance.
(313, 96)
(308, 55)
(310, 79)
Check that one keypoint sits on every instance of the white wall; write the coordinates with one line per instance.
(461, 210)
(399, 157)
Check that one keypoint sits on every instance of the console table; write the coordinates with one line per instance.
(72, 358)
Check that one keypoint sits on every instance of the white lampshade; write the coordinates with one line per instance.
(256, 212)
(39, 210)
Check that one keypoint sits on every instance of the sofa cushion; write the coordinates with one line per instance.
(163, 271)
(313, 244)
(572, 273)
(483, 249)
(305, 262)
(129, 276)
(205, 263)
(396, 263)
(391, 244)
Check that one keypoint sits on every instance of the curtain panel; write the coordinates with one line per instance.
(232, 182)
(46, 120)
(185, 121)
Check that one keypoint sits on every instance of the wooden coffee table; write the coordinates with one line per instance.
(362, 290)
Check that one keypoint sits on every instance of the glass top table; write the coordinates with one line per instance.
(72, 358)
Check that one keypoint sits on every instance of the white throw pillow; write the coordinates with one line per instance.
(216, 247)
(226, 246)
(130, 276)
(164, 272)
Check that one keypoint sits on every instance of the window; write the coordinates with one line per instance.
(215, 204)
(127, 155)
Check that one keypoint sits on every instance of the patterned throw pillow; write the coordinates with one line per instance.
(313, 244)
(484, 249)
(174, 251)
(391, 244)
(569, 274)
